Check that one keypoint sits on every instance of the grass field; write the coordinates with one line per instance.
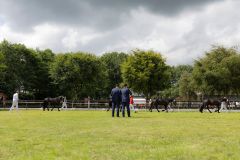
(94, 135)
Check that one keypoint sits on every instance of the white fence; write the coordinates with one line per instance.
(140, 104)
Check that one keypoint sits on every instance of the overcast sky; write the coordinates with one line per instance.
(182, 30)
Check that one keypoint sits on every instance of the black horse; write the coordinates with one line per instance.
(162, 102)
(214, 103)
(109, 105)
(53, 102)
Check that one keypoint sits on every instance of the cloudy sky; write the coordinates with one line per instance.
(180, 29)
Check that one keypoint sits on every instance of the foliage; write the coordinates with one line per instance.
(146, 72)
(175, 76)
(185, 86)
(45, 86)
(79, 75)
(231, 66)
(211, 74)
(113, 62)
(20, 69)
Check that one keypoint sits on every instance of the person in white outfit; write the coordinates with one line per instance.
(64, 104)
(15, 101)
(224, 104)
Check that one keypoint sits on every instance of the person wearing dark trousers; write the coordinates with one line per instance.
(125, 100)
(116, 99)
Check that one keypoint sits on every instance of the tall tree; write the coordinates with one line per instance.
(231, 66)
(175, 75)
(185, 86)
(113, 63)
(79, 75)
(210, 76)
(45, 86)
(146, 72)
(20, 66)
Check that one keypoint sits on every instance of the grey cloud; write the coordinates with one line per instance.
(22, 15)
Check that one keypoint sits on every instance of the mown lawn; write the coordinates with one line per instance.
(94, 135)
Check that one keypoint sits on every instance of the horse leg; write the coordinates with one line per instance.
(150, 108)
(201, 108)
(208, 108)
(166, 107)
(44, 106)
(52, 107)
(218, 108)
(48, 106)
(157, 108)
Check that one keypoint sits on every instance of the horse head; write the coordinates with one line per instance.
(61, 98)
(173, 101)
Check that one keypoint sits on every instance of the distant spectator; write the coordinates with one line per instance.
(116, 98)
(224, 104)
(64, 103)
(15, 101)
(132, 104)
(125, 100)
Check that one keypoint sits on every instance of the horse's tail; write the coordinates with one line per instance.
(44, 104)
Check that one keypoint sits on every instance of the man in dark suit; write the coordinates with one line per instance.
(125, 100)
(116, 99)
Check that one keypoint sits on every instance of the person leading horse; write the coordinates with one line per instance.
(215, 103)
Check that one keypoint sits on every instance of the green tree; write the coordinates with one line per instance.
(210, 75)
(231, 66)
(2, 72)
(175, 76)
(113, 63)
(79, 75)
(185, 86)
(146, 72)
(20, 64)
(45, 86)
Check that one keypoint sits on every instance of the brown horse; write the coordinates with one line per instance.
(214, 103)
(53, 102)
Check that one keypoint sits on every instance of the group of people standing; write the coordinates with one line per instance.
(121, 96)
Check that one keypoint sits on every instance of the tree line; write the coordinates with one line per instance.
(77, 75)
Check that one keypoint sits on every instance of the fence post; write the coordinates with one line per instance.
(88, 102)
(72, 104)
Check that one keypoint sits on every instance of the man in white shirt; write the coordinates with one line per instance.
(15, 101)
(224, 104)
(64, 104)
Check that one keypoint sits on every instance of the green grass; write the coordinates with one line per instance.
(94, 135)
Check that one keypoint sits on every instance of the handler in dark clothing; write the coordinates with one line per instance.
(116, 99)
(125, 100)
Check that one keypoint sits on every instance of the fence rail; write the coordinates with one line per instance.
(105, 104)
